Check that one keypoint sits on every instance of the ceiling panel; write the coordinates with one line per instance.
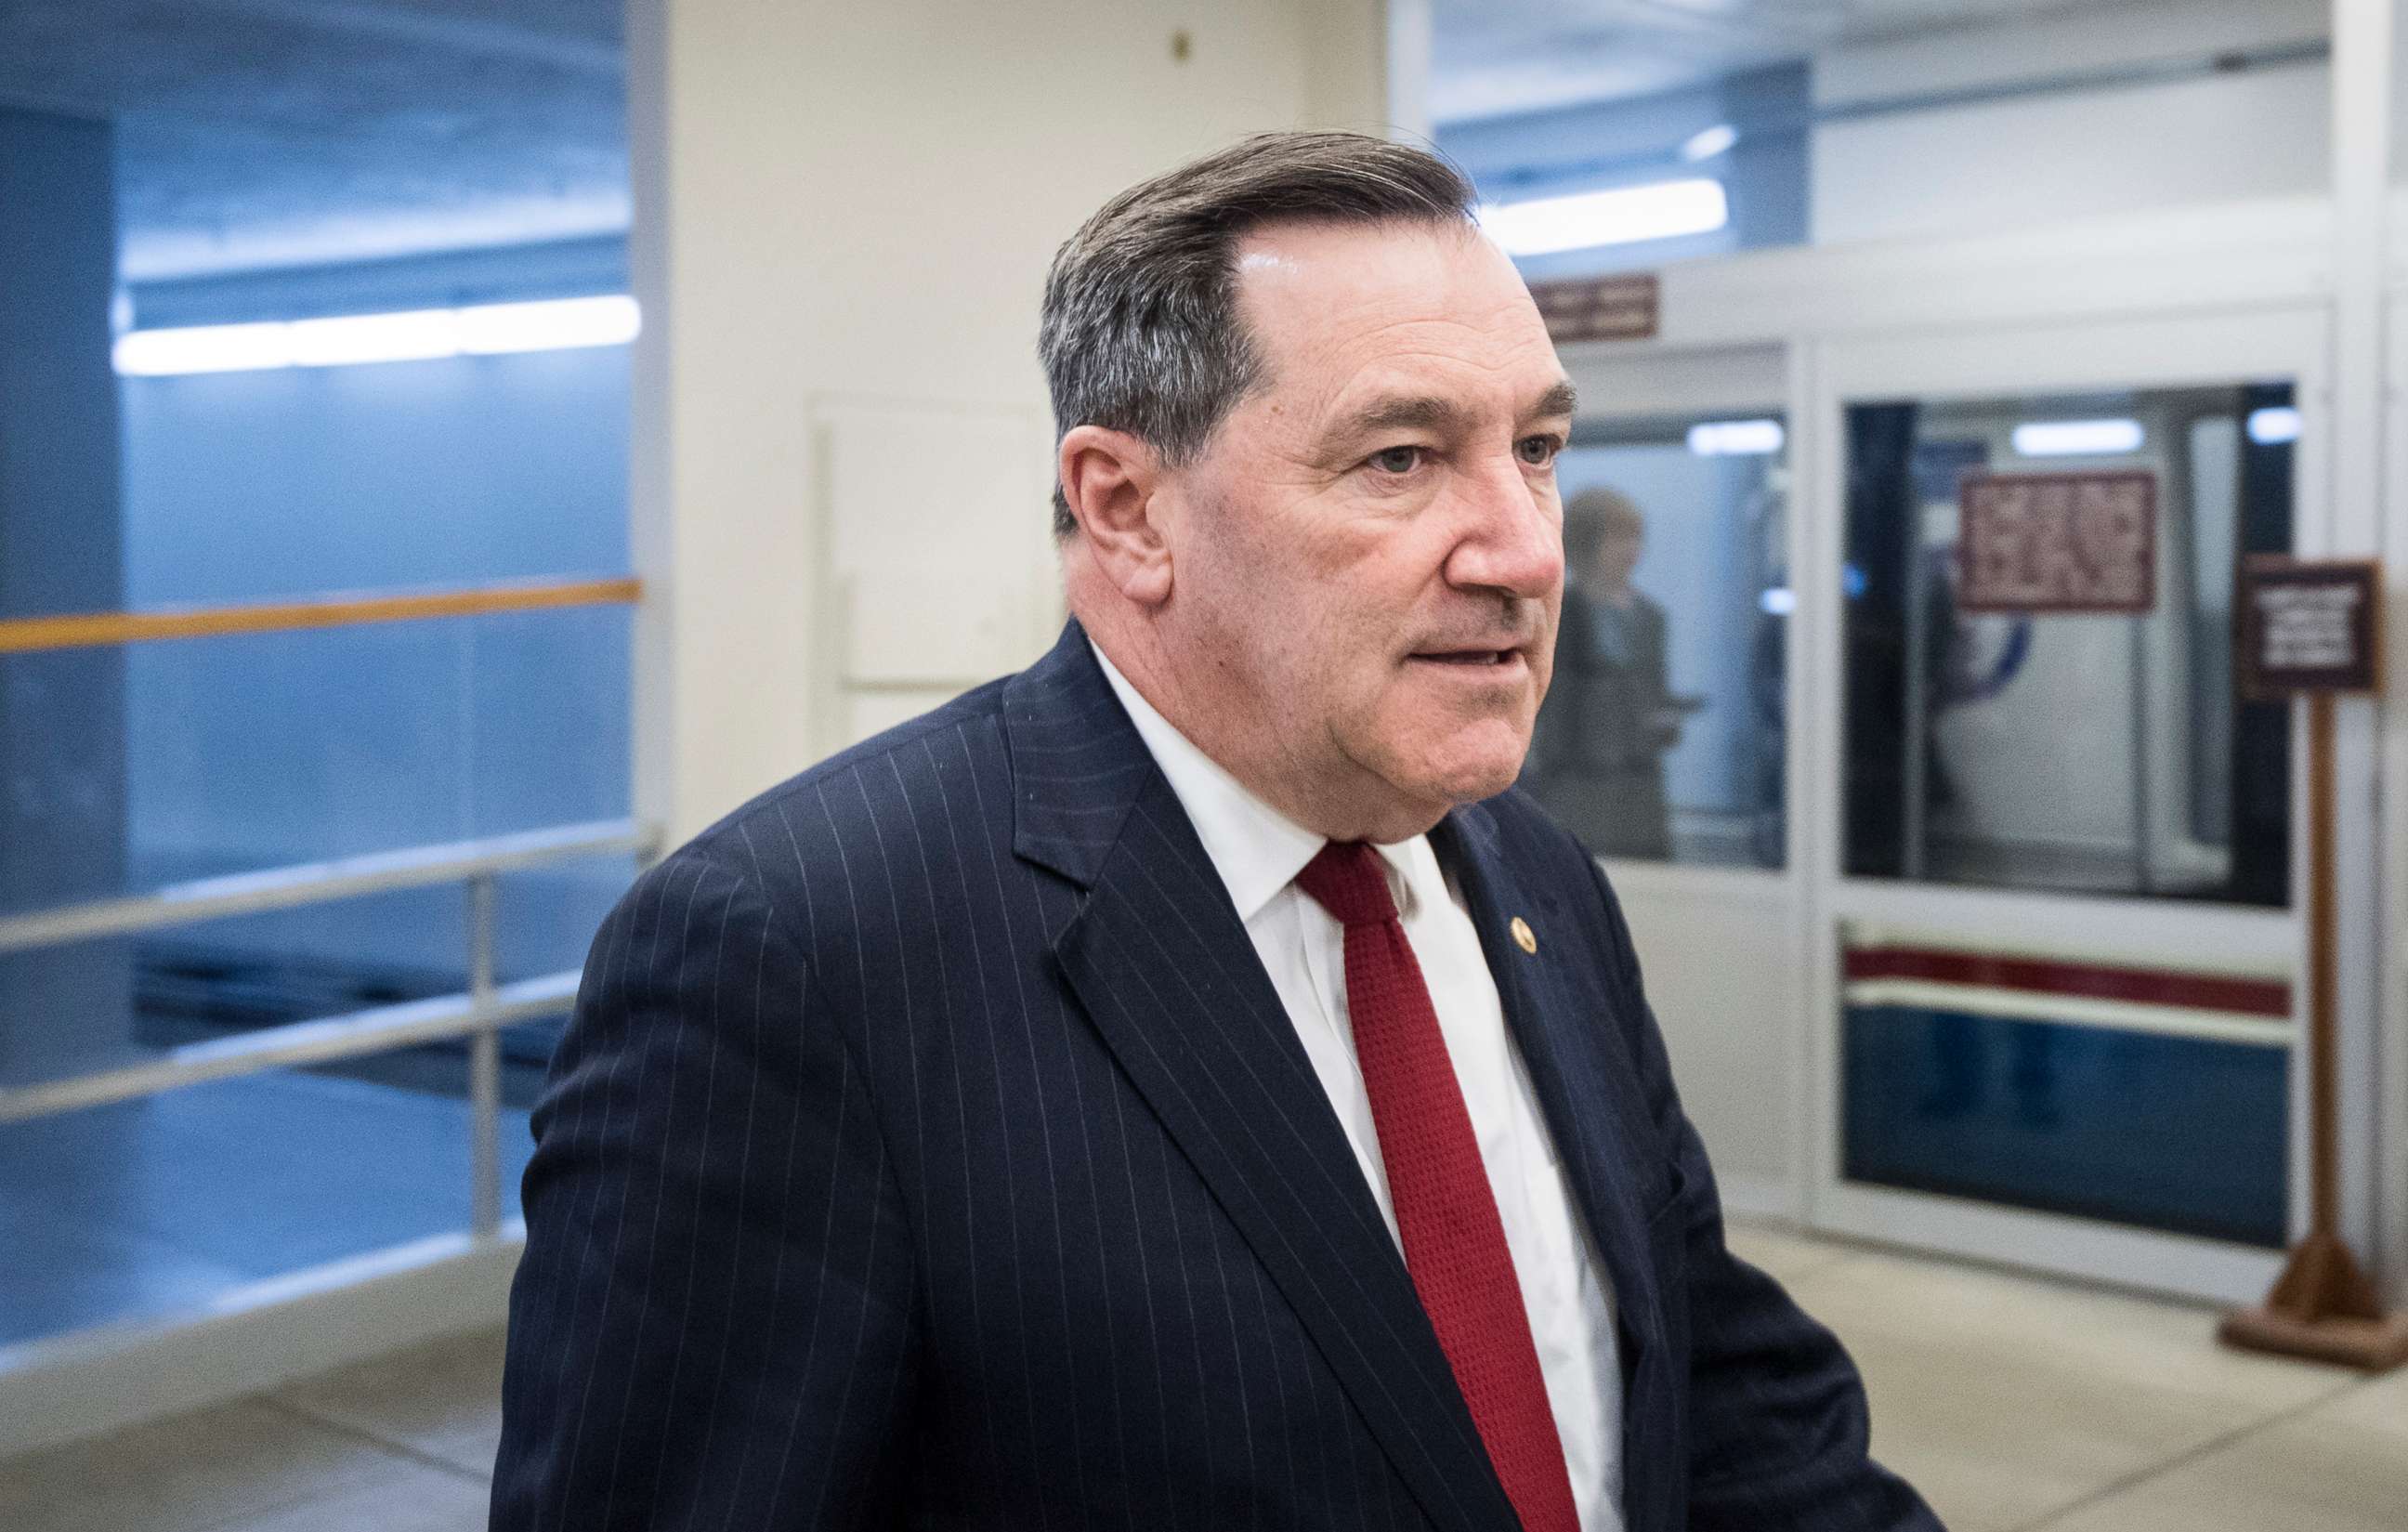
(1493, 58)
(262, 133)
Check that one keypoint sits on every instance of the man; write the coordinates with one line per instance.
(1597, 760)
(1168, 1087)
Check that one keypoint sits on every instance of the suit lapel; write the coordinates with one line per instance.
(1586, 1083)
(1159, 961)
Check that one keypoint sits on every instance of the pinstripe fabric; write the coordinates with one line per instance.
(929, 1149)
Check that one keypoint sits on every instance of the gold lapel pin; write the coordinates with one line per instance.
(1524, 937)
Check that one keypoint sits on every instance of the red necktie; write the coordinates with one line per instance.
(1455, 1244)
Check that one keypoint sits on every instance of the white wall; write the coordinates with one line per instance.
(843, 219)
(2076, 155)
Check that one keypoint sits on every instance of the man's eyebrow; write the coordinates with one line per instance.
(1562, 399)
(1431, 412)
(1413, 412)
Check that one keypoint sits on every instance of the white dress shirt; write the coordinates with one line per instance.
(1258, 853)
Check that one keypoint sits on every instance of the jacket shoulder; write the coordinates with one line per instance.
(798, 830)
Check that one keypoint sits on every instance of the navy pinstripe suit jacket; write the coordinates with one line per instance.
(930, 1149)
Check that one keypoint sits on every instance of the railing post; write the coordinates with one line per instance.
(485, 1067)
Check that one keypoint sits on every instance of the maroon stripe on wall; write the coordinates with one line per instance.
(2053, 976)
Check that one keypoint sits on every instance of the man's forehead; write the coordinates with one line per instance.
(1294, 269)
(1345, 314)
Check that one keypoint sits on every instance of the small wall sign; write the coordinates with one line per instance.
(2308, 625)
(2057, 543)
(1621, 307)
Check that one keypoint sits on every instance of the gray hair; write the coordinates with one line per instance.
(1141, 331)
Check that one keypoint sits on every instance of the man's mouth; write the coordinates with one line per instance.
(1468, 656)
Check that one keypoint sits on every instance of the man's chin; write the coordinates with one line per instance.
(1486, 784)
(1411, 780)
(1468, 778)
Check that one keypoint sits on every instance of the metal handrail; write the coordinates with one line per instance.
(317, 882)
(381, 1030)
(477, 1014)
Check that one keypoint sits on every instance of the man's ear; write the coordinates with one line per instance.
(1110, 479)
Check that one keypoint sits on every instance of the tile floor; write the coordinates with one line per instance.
(2014, 1403)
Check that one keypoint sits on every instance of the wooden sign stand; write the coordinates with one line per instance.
(2323, 1306)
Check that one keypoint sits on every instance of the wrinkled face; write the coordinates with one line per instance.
(1368, 554)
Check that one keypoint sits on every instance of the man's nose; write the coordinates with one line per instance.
(1511, 540)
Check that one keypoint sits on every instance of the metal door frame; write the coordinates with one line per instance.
(1740, 377)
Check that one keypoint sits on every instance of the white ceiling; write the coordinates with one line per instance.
(1496, 57)
(258, 133)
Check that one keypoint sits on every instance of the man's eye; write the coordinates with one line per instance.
(1538, 452)
(1397, 460)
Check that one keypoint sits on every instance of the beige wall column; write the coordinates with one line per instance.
(2370, 875)
(842, 445)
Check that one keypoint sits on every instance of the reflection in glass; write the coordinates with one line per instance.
(1662, 733)
(2098, 753)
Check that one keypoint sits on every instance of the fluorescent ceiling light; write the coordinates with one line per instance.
(1777, 600)
(1736, 438)
(1622, 215)
(562, 324)
(1713, 142)
(2078, 438)
(2273, 426)
(415, 335)
(204, 348)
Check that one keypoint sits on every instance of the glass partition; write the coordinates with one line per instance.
(313, 519)
(1663, 733)
(2043, 697)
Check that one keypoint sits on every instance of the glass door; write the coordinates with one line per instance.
(1664, 742)
(2055, 929)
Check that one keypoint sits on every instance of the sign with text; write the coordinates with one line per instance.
(2309, 625)
(2057, 543)
(1622, 307)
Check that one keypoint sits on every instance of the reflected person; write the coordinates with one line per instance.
(1597, 760)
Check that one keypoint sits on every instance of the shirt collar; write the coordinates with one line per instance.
(1258, 850)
